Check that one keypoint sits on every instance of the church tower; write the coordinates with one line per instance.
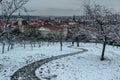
(19, 20)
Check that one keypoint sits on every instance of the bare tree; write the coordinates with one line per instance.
(97, 13)
(61, 38)
(116, 28)
(9, 7)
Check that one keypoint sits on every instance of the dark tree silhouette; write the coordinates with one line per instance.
(97, 13)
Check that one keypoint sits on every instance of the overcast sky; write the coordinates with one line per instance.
(66, 7)
(55, 7)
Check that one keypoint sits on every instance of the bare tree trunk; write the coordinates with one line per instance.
(117, 46)
(104, 46)
(53, 42)
(3, 48)
(9, 43)
(42, 43)
(96, 42)
(12, 45)
(8, 46)
(31, 45)
(39, 43)
(24, 44)
(77, 44)
(72, 43)
(61, 45)
(77, 41)
(34, 43)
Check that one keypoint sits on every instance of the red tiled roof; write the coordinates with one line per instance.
(34, 24)
(51, 27)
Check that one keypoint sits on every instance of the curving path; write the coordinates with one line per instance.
(28, 72)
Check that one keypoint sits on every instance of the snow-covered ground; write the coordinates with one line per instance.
(85, 66)
(19, 57)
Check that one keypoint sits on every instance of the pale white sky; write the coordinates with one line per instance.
(66, 7)
(55, 7)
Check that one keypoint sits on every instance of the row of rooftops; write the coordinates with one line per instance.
(53, 24)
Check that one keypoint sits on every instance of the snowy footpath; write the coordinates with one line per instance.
(28, 72)
(19, 57)
(49, 63)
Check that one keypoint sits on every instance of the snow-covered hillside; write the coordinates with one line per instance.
(84, 66)
(19, 57)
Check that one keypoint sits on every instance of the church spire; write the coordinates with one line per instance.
(19, 15)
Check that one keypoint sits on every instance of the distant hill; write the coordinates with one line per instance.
(23, 16)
